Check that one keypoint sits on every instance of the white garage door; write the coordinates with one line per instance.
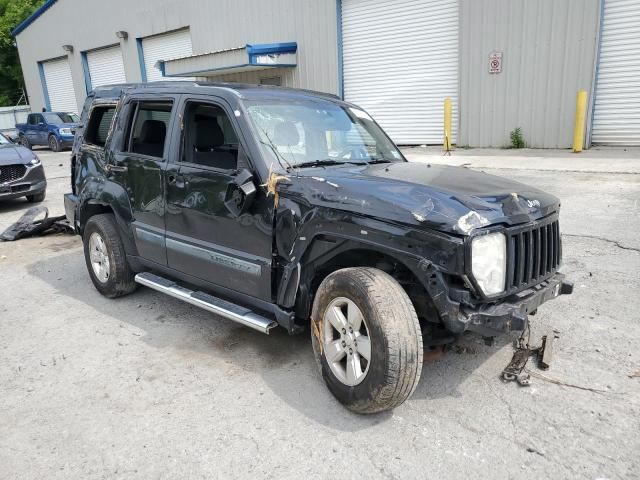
(616, 114)
(164, 47)
(106, 66)
(400, 61)
(57, 76)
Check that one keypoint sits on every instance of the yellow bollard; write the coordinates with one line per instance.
(578, 130)
(447, 124)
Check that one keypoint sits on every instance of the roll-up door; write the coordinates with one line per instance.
(400, 61)
(165, 47)
(106, 66)
(59, 85)
(616, 114)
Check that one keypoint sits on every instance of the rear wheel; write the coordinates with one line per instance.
(54, 145)
(367, 339)
(24, 141)
(105, 257)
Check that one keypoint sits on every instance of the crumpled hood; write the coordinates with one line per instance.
(15, 154)
(450, 199)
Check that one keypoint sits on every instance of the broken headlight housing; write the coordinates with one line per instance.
(489, 262)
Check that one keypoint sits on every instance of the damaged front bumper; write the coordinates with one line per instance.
(513, 312)
(459, 313)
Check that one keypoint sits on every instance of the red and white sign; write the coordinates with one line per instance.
(495, 62)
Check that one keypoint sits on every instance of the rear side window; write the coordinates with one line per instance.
(99, 125)
(148, 127)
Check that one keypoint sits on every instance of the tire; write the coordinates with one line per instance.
(37, 197)
(54, 145)
(108, 267)
(391, 374)
(24, 141)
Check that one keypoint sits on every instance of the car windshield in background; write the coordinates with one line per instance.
(313, 133)
(58, 118)
(4, 140)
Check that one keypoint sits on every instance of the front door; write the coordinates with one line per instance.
(141, 145)
(204, 239)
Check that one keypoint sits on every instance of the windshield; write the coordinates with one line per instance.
(58, 118)
(315, 132)
(3, 140)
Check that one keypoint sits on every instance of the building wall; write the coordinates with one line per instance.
(90, 24)
(548, 50)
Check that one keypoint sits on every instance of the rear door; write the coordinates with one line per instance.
(140, 151)
(204, 239)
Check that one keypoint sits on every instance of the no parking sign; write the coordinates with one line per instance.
(495, 62)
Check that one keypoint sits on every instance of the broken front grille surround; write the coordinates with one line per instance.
(11, 173)
(534, 254)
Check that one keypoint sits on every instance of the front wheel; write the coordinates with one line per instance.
(105, 257)
(54, 144)
(367, 339)
(24, 141)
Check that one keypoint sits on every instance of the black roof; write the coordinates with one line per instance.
(240, 90)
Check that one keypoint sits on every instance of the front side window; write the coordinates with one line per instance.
(4, 140)
(99, 125)
(309, 132)
(59, 118)
(208, 137)
(147, 131)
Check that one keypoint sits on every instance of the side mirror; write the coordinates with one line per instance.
(240, 193)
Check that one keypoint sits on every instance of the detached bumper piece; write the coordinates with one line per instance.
(513, 313)
(36, 222)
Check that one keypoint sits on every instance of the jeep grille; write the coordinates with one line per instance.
(534, 253)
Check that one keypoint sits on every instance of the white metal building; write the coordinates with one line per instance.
(399, 59)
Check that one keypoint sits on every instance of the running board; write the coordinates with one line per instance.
(207, 302)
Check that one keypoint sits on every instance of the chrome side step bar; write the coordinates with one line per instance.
(207, 302)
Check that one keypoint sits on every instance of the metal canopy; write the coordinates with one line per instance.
(232, 60)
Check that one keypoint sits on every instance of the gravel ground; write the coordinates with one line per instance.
(148, 387)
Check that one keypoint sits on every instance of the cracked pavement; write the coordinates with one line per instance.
(148, 387)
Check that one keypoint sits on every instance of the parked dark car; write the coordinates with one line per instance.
(53, 129)
(280, 207)
(21, 173)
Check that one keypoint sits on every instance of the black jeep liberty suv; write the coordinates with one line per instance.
(278, 207)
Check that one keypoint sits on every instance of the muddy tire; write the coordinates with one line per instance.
(360, 312)
(105, 257)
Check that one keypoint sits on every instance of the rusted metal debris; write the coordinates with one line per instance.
(515, 370)
(36, 222)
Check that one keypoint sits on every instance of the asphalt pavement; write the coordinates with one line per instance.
(148, 387)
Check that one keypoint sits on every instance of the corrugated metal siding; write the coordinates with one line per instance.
(106, 66)
(213, 26)
(62, 96)
(400, 61)
(164, 47)
(549, 50)
(616, 115)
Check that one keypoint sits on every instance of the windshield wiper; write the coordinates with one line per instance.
(326, 162)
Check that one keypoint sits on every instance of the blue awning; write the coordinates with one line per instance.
(232, 60)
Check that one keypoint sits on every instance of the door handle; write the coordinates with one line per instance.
(177, 181)
(115, 168)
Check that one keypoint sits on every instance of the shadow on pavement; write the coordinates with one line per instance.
(286, 363)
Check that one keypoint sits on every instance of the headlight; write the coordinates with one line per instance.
(64, 131)
(489, 262)
(34, 161)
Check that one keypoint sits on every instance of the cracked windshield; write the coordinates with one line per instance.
(308, 134)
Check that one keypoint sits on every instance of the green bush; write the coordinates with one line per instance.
(517, 140)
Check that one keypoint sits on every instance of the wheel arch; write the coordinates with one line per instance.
(328, 253)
